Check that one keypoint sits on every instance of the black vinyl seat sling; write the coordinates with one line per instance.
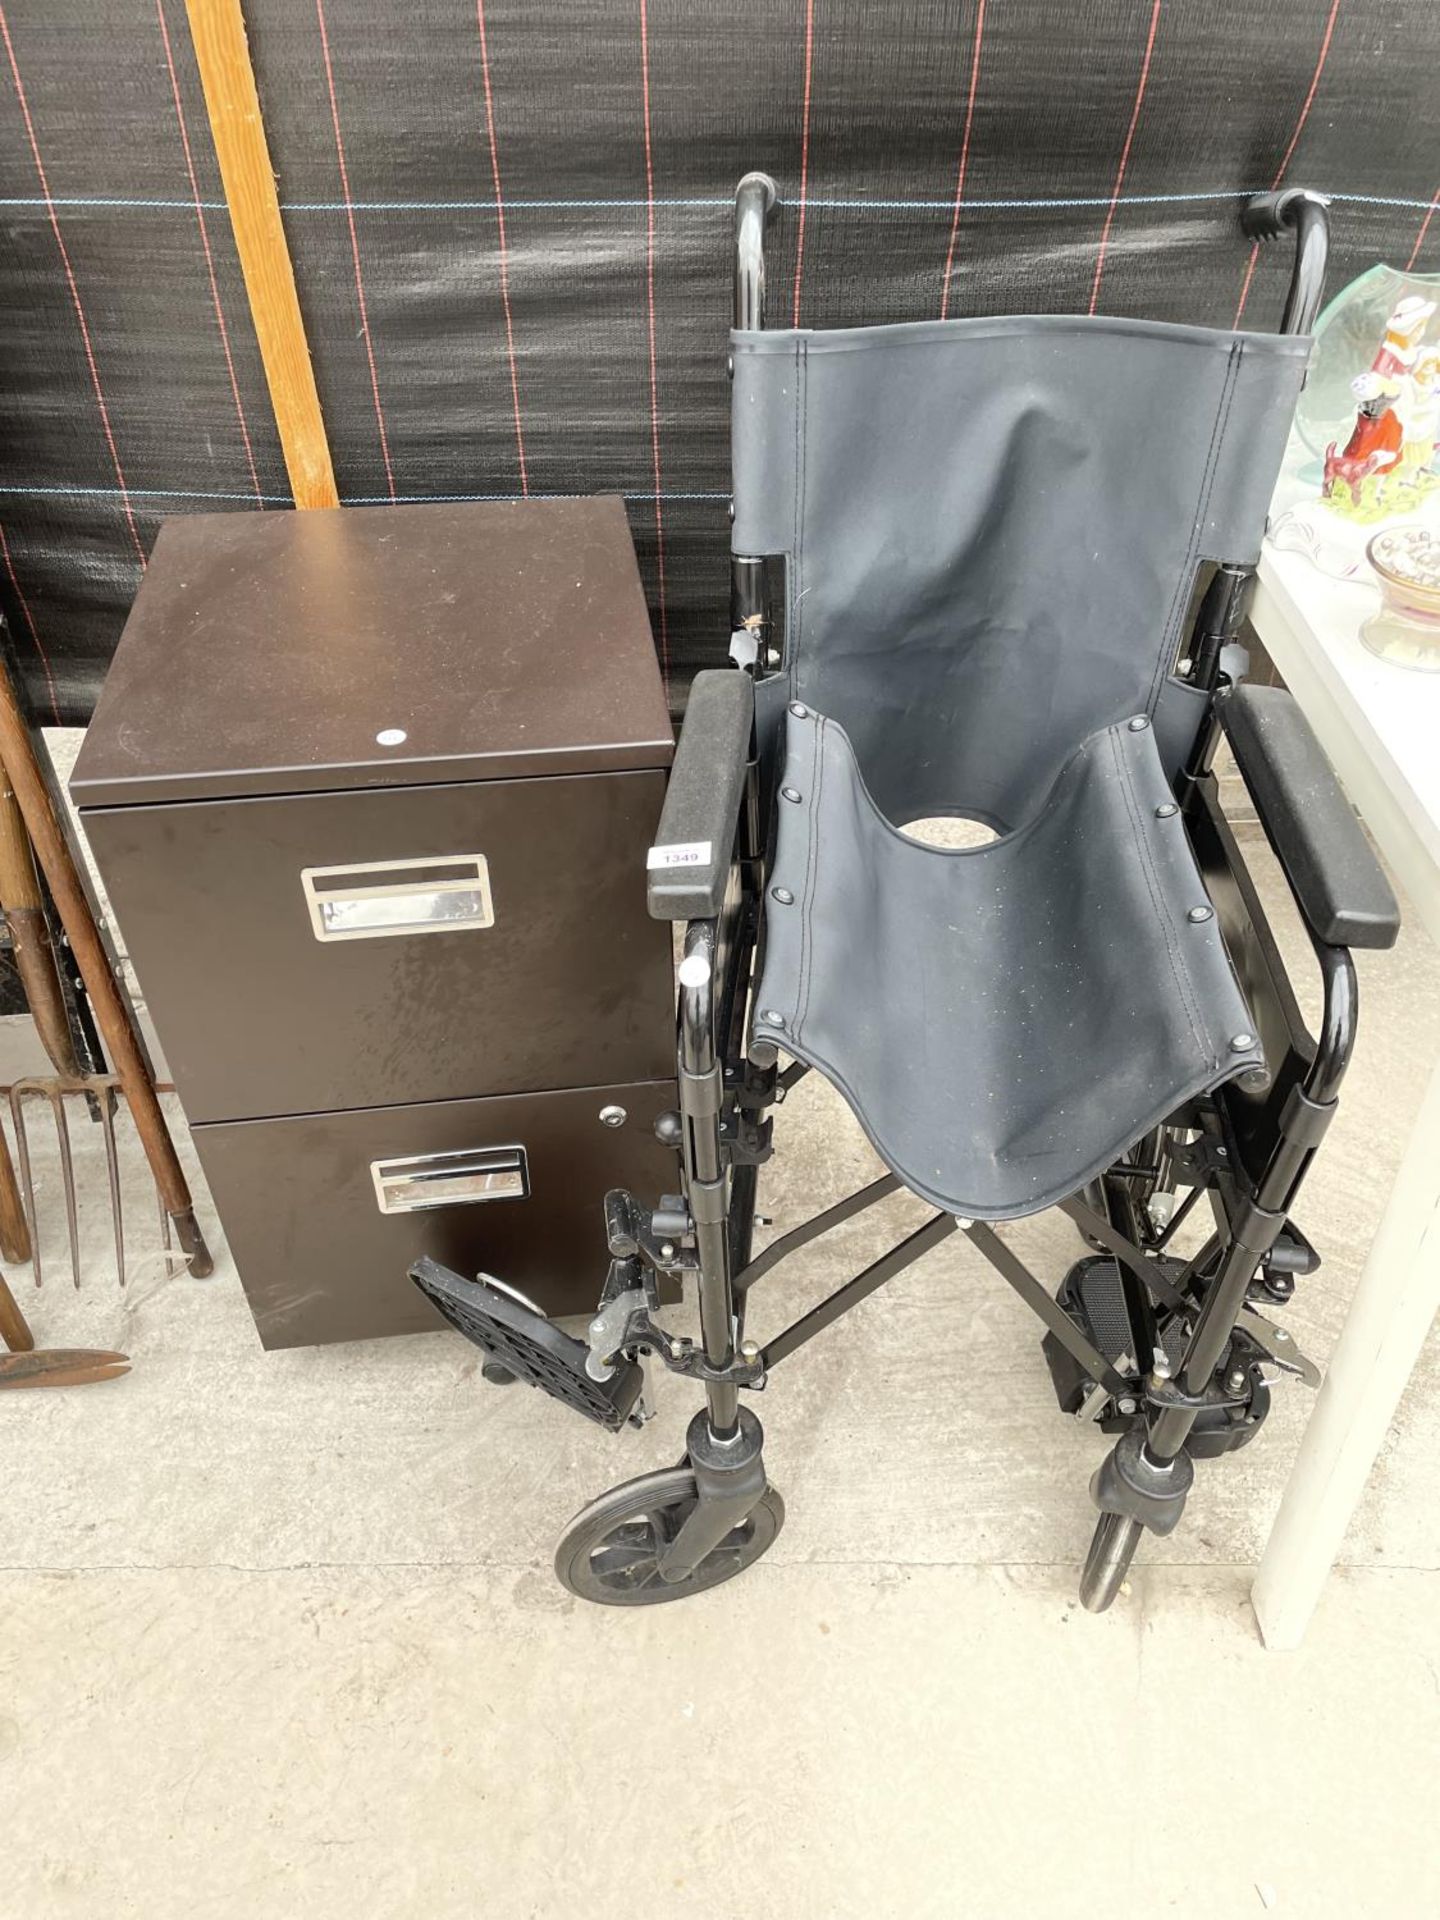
(990, 571)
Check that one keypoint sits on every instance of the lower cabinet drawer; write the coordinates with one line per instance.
(325, 1212)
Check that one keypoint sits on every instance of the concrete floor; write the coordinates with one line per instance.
(281, 1636)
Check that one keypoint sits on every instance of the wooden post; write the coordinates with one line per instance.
(217, 28)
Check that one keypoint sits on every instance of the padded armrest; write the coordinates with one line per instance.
(1335, 878)
(689, 864)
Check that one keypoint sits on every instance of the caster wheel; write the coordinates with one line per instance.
(609, 1551)
(1108, 1561)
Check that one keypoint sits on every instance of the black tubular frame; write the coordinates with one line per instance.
(1299, 211)
(821, 1223)
(1263, 1130)
(756, 198)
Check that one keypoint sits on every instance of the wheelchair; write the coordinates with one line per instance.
(995, 571)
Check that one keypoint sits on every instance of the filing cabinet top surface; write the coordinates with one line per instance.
(379, 646)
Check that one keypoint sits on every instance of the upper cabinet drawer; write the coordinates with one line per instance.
(329, 950)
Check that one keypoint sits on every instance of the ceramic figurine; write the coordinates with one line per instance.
(1418, 406)
(1393, 398)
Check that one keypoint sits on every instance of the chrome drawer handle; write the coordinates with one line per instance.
(382, 899)
(459, 1179)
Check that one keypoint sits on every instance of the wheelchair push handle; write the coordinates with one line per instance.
(756, 198)
(1305, 214)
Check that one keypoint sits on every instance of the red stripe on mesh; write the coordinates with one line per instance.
(1324, 55)
(503, 247)
(24, 606)
(804, 158)
(70, 281)
(654, 378)
(354, 246)
(1124, 155)
(964, 158)
(209, 256)
(1424, 229)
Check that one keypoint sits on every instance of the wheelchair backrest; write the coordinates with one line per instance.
(992, 529)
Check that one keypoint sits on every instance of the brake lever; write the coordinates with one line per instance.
(1278, 1346)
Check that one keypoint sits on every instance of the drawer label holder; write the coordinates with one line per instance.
(388, 899)
(465, 1177)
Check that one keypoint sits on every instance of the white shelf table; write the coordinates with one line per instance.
(1380, 726)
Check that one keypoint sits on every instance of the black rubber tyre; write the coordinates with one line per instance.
(609, 1551)
(1108, 1561)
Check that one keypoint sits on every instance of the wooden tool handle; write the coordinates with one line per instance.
(112, 1017)
(14, 1327)
(34, 957)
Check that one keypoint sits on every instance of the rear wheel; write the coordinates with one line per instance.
(610, 1551)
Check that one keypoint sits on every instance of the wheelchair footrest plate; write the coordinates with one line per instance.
(1093, 1294)
(519, 1338)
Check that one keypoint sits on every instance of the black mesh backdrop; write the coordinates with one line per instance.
(1097, 150)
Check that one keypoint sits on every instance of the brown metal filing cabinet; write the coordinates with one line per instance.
(371, 791)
